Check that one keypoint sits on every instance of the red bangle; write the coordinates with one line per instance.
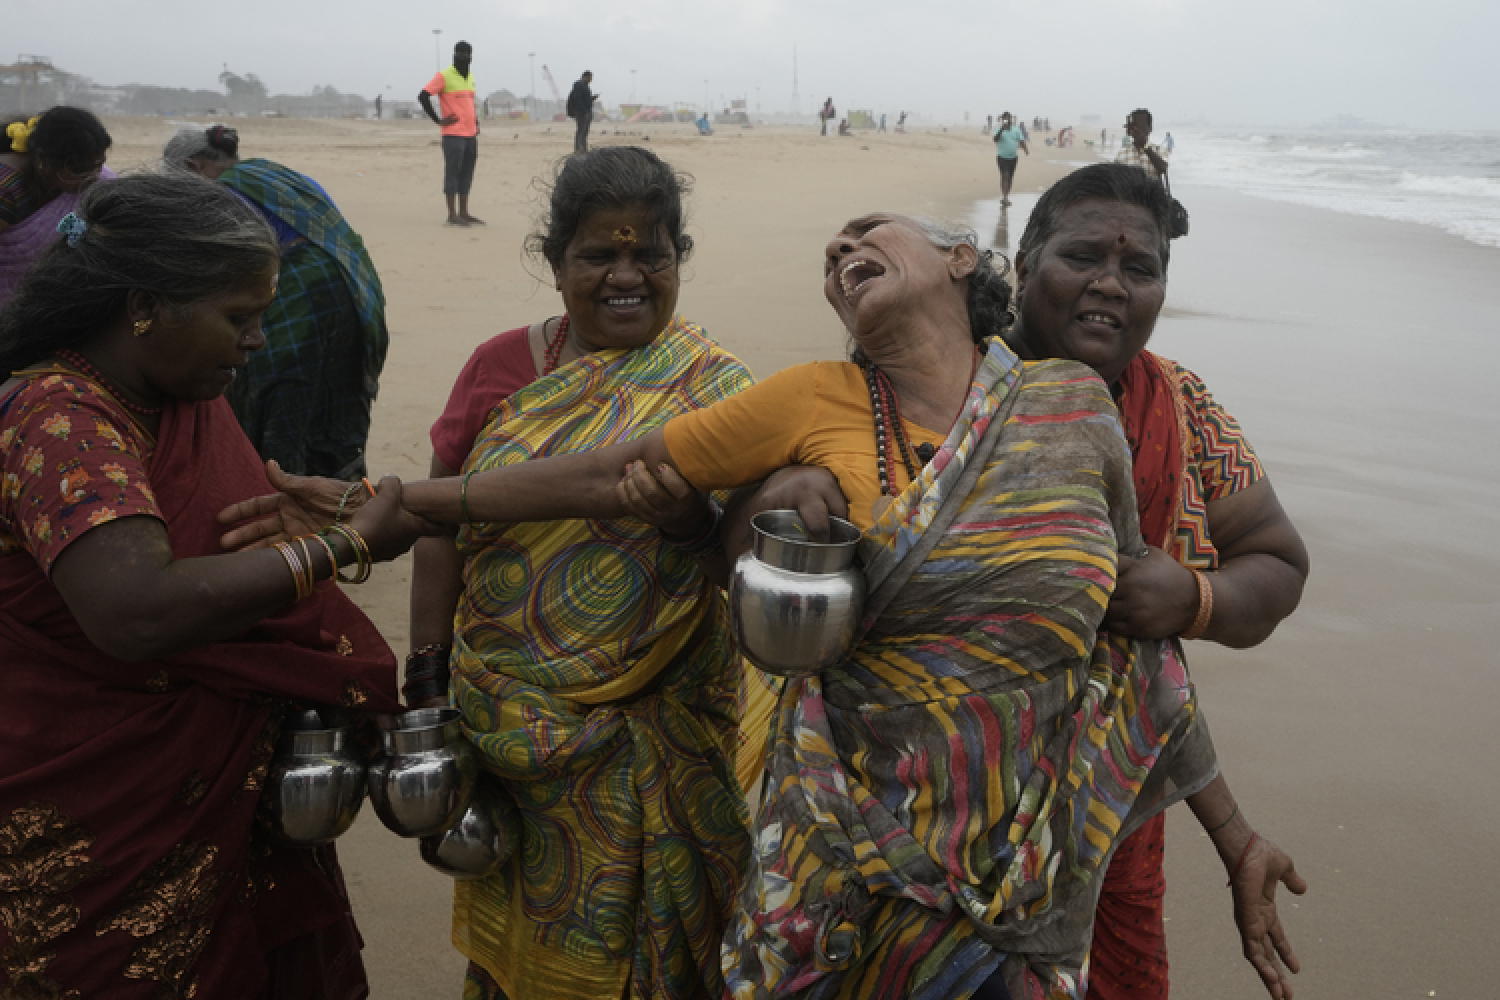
(1243, 855)
(1205, 606)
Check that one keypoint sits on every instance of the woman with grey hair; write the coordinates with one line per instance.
(305, 400)
(146, 671)
(1223, 561)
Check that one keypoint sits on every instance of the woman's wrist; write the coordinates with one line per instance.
(1229, 840)
(703, 536)
(1203, 608)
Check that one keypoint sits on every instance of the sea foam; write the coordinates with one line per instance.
(1450, 180)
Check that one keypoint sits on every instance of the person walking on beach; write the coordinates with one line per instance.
(1169, 143)
(1139, 151)
(581, 109)
(454, 88)
(1008, 139)
(825, 115)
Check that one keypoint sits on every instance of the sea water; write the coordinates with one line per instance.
(1450, 180)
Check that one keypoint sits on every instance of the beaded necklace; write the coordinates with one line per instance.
(555, 346)
(77, 361)
(889, 426)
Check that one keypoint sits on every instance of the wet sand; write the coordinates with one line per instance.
(1360, 357)
(1357, 353)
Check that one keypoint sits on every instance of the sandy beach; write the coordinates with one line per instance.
(1358, 354)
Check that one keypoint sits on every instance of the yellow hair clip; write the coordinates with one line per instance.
(20, 134)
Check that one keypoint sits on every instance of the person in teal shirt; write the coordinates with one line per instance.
(1008, 140)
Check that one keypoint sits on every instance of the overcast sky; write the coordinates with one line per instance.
(1434, 63)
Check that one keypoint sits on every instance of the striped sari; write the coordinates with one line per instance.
(940, 805)
(594, 670)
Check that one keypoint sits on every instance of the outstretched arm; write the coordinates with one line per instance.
(1256, 867)
(557, 488)
(561, 487)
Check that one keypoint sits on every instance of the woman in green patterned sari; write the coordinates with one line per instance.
(590, 658)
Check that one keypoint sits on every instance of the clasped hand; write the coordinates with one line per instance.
(305, 505)
(1155, 597)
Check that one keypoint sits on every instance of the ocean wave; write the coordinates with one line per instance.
(1450, 181)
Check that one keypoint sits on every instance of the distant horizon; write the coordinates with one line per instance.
(1350, 122)
(1187, 60)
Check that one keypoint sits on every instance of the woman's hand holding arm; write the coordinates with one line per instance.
(1255, 866)
(1263, 565)
(669, 503)
(557, 488)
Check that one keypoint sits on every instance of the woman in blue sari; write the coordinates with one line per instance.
(304, 400)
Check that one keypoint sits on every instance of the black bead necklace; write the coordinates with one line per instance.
(888, 426)
(89, 371)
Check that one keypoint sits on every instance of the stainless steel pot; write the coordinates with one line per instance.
(794, 603)
(423, 781)
(315, 786)
(482, 840)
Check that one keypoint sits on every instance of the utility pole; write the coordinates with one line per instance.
(795, 95)
(632, 86)
(437, 47)
(532, 98)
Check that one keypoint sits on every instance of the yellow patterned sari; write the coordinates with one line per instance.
(597, 679)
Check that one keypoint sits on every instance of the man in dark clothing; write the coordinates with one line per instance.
(581, 110)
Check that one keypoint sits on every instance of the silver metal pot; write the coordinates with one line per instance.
(315, 786)
(481, 841)
(423, 781)
(794, 603)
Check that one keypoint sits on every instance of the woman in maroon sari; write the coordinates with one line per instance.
(144, 671)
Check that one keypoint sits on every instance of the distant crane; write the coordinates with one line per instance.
(556, 95)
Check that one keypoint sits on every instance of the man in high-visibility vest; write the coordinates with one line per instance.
(454, 88)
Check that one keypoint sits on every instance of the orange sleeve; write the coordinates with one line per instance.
(748, 436)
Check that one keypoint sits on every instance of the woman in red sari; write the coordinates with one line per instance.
(1224, 562)
(145, 671)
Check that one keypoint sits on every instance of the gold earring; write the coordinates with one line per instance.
(141, 327)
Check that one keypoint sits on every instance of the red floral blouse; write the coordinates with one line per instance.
(69, 461)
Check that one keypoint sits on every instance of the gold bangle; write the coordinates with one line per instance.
(308, 573)
(293, 564)
(364, 562)
(1205, 607)
(339, 530)
(364, 551)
